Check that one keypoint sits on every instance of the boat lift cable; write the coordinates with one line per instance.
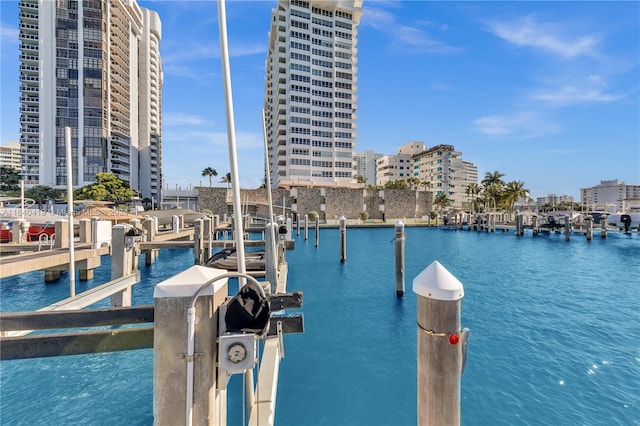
(233, 160)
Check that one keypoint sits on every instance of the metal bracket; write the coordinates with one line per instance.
(280, 338)
(191, 358)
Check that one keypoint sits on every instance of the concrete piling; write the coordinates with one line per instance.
(306, 227)
(317, 230)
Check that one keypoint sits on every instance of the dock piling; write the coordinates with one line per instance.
(317, 230)
(603, 225)
(343, 239)
(567, 228)
(399, 241)
(306, 227)
(441, 346)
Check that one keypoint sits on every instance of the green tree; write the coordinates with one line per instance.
(9, 179)
(361, 179)
(108, 187)
(396, 184)
(493, 184)
(413, 182)
(226, 179)
(512, 191)
(210, 172)
(41, 194)
(473, 190)
(426, 184)
(442, 200)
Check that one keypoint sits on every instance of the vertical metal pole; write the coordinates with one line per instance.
(271, 256)
(235, 176)
(343, 239)
(441, 346)
(266, 165)
(72, 259)
(399, 245)
(317, 230)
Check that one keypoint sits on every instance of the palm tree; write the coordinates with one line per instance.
(226, 179)
(426, 184)
(210, 172)
(472, 190)
(512, 191)
(493, 184)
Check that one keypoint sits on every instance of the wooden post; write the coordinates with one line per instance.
(297, 225)
(567, 228)
(343, 239)
(317, 230)
(271, 255)
(589, 233)
(306, 227)
(198, 242)
(399, 244)
(534, 225)
(441, 346)
(603, 226)
(172, 299)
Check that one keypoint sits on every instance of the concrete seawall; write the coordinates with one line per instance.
(329, 203)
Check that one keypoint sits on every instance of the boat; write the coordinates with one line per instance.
(557, 219)
(227, 259)
(628, 218)
(40, 221)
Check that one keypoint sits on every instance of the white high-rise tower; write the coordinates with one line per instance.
(310, 92)
(94, 66)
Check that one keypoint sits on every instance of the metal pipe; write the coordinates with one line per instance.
(72, 263)
(235, 178)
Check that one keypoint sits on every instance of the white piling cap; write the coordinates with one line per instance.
(187, 282)
(435, 282)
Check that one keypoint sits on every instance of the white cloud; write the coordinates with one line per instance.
(591, 89)
(549, 37)
(404, 36)
(521, 125)
(180, 119)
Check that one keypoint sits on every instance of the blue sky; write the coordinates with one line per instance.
(545, 92)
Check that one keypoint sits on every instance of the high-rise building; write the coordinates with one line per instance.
(445, 171)
(609, 196)
(10, 155)
(364, 165)
(390, 168)
(93, 66)
(310, 92)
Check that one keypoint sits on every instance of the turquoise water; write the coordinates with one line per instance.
(554, 336)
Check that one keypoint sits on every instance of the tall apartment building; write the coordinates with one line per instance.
(442, 166)
(10, 155)
(609, 195)
(310, 92)
(93, 66)
(364, 164)
(390, 168)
